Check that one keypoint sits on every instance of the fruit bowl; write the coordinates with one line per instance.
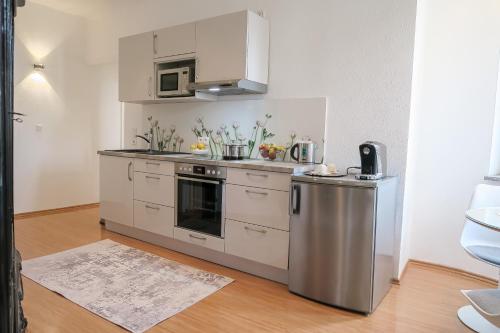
(200, 151)
(271, 151)
(199, 148)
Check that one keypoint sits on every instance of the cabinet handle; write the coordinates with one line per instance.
(128, 171)
(153, 163)
(150, 86)
(262, 231)
(155, 38)
(151, 207)
(197, 237)
(295, 200)
(255, 192)
(257, 175)
(151, 177)
(197, 68)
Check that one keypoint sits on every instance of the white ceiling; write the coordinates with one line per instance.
(90, 9)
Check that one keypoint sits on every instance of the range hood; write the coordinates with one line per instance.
(229, 87)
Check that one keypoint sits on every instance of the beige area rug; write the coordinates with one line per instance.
(129, 287)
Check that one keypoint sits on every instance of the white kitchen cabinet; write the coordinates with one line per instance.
(176, 40)
(188, 236)
(232, 46)
(257, 243)
(263, 179)
(154, 218)
(258, 206)
(154, 188)
(136, 68)
(116, 189)
(153, 166)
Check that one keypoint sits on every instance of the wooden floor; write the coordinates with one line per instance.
(426, 300)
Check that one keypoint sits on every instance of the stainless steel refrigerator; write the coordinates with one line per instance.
(342, 240)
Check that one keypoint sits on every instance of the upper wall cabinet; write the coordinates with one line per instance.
(232, 47)
(231, 52)
(136, 68)
(176, 40)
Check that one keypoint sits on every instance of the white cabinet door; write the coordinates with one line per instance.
(116, 189)
(154, 218)
(258, 206)
(176, 40)
(154, 166)
(136, 68)
(188, 236)
(264, 245)
(154, 188)
(221, 45)
(264, 179)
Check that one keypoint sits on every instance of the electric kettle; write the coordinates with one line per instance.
(303, 152)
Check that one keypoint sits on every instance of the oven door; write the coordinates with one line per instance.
(169, 83)
(200, 205)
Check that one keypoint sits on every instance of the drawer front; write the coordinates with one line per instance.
(261, 244)
(154, 218)
(197, 238)
(154, 188)
(154, 166)
(263, 179)
(259, 206)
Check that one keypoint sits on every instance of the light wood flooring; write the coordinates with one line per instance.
(426, 300)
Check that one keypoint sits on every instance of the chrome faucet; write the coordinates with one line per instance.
(150, 141)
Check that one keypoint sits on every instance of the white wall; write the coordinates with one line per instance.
(456, 70)
(74, 103)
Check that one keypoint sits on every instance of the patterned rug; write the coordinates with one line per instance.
(129, 287)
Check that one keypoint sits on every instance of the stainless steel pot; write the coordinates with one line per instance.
(233, 151)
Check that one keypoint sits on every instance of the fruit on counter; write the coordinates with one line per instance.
(200, 146)
(271, 151)
(193, 146)
(272, 154)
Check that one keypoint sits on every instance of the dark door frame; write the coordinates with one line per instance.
(8, 295)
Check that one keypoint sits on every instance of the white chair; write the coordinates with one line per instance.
(483, 244)
(480, 242)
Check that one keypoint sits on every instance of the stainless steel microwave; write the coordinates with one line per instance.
(173, 82)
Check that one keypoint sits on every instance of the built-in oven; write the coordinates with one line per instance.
(173, 78)
(199, 202)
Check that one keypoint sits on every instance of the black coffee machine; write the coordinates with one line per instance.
(373, 160)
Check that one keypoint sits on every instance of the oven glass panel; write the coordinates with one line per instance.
(199, 206)
(169, 82)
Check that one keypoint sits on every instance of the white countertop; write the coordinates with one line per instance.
(252, 164)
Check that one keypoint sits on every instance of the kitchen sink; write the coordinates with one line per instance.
(148, 152)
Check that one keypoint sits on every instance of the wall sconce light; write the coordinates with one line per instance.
(37, 73)
(38, 67)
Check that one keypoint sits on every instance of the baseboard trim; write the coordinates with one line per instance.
(397, 281)
(439, 267)
(38, 213)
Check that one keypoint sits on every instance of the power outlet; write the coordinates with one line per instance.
(133, 142)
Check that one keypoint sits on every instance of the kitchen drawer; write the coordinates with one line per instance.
(154, 188)
(258, 206)
(154, 218)
(214, 243)
(261, 244)
(270, 180)
(154, 166)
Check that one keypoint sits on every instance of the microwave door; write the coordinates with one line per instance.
(168, 84)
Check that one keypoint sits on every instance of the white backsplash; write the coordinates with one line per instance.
(305, 117)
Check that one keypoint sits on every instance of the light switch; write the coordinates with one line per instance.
(39, 127)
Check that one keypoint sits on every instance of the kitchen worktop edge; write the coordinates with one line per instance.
(251, 164)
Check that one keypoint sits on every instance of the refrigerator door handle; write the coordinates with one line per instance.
(295, 200)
